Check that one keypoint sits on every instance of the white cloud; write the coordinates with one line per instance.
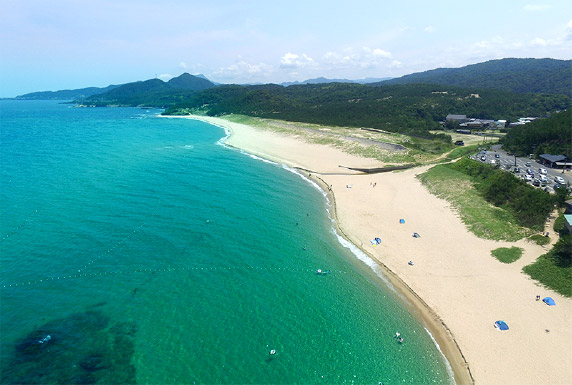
(165, 77)
(568, 31)
(429, 29)
(243, 70)
(495, 42)
(376, 52)
(183, 65)
(538, 42)
(396, 64)
(536, 7)
(292, 60)
(364, 58)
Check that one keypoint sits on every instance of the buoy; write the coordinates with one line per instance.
(272, 352)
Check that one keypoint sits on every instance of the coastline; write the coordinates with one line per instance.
(439, 332)
(453, 287)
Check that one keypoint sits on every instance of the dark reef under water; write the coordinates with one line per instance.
(82, 348)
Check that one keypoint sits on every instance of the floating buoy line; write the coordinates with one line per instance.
(83, 274)
(115, 247)
(118, 244)
(19, 228)
(160, 270)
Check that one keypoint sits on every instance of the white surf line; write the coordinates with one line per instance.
(447, 364)
(355, 250)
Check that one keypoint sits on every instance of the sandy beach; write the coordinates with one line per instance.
(456, 288)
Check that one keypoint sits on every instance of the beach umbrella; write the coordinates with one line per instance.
(549, 301)
(402, 221)
(501, 325)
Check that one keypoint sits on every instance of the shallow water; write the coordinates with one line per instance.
(151, 254)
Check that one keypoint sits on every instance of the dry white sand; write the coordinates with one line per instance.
(454, 274)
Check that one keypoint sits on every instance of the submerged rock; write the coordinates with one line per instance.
(82, 348)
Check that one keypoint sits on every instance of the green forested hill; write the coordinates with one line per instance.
(543, 136)
(76, 94)
(549, 76)
(399, 108)
(154, 92)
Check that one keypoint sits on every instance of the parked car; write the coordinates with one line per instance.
(527, 164)
(536, 182)
(516, 170)
(559, 180)
(497, 156)
(542, 171)
(529, 178)
(529, 171)
(543, 178)
(483, 158)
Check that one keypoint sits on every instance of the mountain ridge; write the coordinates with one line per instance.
(322, 79)
(73, 94)
(551, 76)
(153, 92)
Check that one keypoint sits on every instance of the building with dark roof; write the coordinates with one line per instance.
(555, 161)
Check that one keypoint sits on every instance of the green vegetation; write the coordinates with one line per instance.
(461, 151)
(496, 205)
(560, 225)
(539, 239)
(553, 270)
(547, 76)
(543, 136)
(412, 109)
(529, 206)
(480, 217)
(77, 94)
(506, 254)
(492, 203)
(154, 92)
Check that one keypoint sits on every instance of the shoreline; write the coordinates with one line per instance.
(454, 287)
(440, 333)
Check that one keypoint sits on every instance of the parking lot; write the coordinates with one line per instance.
(526, 169)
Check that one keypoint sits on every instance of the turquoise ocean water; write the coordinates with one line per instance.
(140, 249)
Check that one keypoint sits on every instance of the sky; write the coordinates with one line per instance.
(68, 44)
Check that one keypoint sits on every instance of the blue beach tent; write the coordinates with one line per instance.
(501, 325)
(402, 221)
(549, 301)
